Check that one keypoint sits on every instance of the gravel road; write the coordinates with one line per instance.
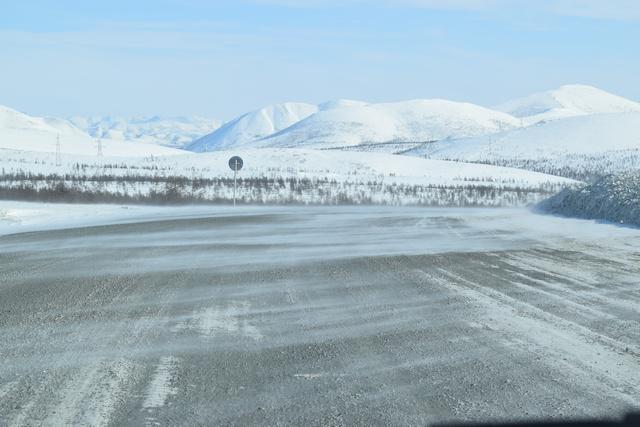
(320, 316)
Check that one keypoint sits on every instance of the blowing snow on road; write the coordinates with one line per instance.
(319, 316)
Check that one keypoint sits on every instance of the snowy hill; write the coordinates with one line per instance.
(344, 123)
(403, 126)
(409, 121)
(168, 131)
(19, 131)
(248, 128)
(341, 103)
(13, 122)
(576, 135)
(567, 101)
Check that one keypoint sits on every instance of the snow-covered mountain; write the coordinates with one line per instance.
(346, 123)
(19, 131)
(596, 133)
(168, 131)
(13, 122)
(253, 126)
(409, 121)
(567, 101)
(341, 103)
(571, 120)
(575, 131)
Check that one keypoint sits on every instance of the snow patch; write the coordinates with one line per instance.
(107, 393)
(162, 385)
(232, 319)
(308, 376)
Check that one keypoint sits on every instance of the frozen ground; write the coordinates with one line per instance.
(318, 316)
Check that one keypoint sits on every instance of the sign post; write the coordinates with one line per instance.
(235, 163)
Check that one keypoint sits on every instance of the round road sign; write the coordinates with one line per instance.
(235, 163)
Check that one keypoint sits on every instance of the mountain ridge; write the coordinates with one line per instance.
(567, 101)
(340, 123)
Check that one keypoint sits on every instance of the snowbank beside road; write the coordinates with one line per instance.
(614, 198)
(18, 217)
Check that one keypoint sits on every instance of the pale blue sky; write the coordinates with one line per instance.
(222, 58)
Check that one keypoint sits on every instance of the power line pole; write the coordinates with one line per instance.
(58, 160)
(99, 135)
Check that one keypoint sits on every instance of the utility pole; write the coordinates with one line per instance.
(99, 135)
(58, 160)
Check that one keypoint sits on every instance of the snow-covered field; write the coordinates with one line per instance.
(278, 176)
(285, 162)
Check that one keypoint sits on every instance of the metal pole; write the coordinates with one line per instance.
(58, 162)
(235, 172)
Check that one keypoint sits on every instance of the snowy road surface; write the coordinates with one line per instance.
(319, 316)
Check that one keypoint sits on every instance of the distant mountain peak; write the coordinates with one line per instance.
(567, 101)
(348, 123)
(168, 131)
(254, 125)
(341, 103)
(19, 131)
